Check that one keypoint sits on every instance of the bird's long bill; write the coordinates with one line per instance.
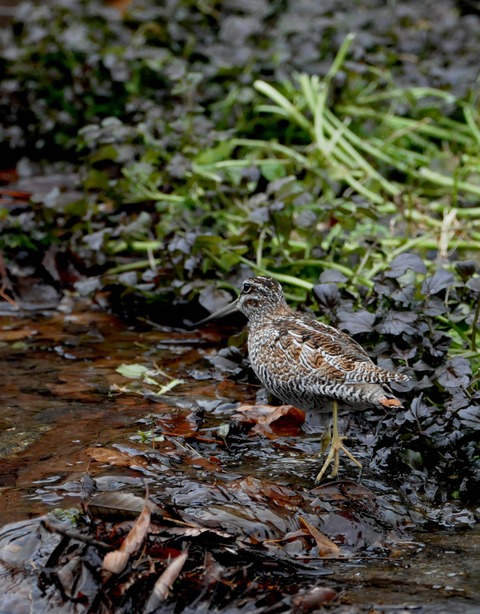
(224, 311)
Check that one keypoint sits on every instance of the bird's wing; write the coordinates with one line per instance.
(319, 347)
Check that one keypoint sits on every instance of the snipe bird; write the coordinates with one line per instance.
(302, 361)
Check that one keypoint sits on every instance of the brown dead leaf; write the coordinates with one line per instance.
(313, 600)
(108, 505)
(213, 572)
(115, 562)
(113, 506)
(292, 536)
(205, 463)
(192, 531)
(178, 423)
(227, 388)
(9, 175)
(16, 334)
(165, 582)
(112, 457)
(271, 421)
(75, 389)
(342, 491)
(326, 548)
(261, 489)
(17, 194)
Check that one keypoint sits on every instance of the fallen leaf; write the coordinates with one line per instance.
(205, 463)
(133, 371)
(313, 600)
(261, 490)
(112, 457)
(272, 421)
(17, 334)
(108, 505)
(115, 562)
(326, 548)
(178, 423)
(165, 582)
(343, 491)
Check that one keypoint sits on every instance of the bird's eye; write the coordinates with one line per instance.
(247, 286)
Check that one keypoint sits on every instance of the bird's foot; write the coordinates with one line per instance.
(334, 454)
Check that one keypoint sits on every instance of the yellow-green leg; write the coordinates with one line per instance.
(335, 446)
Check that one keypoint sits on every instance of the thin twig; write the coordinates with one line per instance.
(53, 528)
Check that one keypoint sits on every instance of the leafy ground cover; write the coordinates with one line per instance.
(199, 164)
(161, 154)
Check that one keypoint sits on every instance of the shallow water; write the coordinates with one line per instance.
(55, 375)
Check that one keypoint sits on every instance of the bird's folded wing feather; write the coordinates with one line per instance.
(317, 346)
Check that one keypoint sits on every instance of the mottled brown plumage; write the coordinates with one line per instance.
(301, 361)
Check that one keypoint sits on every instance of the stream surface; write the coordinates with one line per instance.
(57, 371)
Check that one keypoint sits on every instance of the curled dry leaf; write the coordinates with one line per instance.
(165, 582)
(115, 562)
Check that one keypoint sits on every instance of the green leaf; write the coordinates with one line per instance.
(134, 371)
(220, 152)
(273, 171)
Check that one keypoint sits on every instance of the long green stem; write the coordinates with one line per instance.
(332, 123)
(276, 147)
(449, 182)
(472, 124)
(288, 279)
(132, 266)
(115, 247)
(397, 122)
(326, 265)
(270, 92)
